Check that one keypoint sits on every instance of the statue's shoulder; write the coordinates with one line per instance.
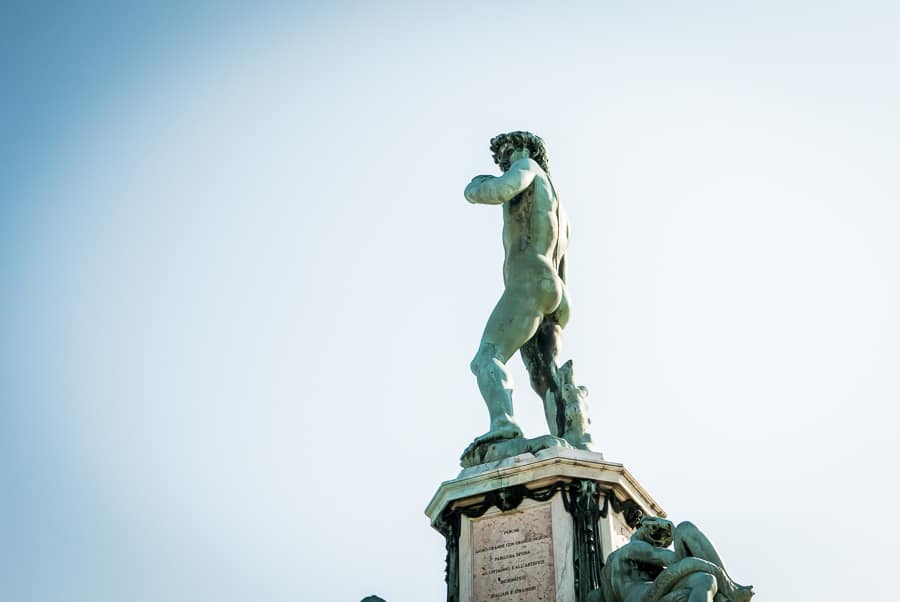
(528, 164)
(535, 167)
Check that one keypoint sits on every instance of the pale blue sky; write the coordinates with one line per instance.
(241, 286)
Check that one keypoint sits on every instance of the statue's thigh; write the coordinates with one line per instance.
(680, 595)
(703, 582)
(514, 320)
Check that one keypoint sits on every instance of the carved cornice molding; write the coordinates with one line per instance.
(581, 499)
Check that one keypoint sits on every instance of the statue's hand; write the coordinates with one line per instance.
(473, 190)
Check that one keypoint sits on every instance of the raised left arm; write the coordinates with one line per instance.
(491, 190)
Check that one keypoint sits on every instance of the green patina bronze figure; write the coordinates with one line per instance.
(534, 307)
(645, 570)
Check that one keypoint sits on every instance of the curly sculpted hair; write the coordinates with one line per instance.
(502, 146)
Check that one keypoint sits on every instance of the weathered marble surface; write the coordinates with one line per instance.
(556, 570)
(545, 468)
(546, 464)
(512, 556)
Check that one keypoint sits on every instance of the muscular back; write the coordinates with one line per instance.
(535, 229)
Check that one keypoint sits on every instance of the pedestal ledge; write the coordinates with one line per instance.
(539, 525)
(544, 467)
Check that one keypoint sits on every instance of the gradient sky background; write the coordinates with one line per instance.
(241, 286)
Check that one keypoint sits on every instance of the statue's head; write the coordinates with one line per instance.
(655, 531)
(503, 146)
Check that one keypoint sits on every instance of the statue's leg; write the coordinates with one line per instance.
(690, 541)
(703, 587)
(680, 595)
(495, 385)
(514, 321)
(680, 575)
(693, 588)
(539, 356)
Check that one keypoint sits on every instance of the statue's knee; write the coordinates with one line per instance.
(704, 582)
(486, 355)
(687, 527)
(709, 584)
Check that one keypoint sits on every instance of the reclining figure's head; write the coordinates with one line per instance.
(655, 531)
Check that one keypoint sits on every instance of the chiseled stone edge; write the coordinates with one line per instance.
(547, 464)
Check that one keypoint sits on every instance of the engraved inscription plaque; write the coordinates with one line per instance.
(513, 556)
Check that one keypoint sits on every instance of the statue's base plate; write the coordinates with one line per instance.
(489, 452)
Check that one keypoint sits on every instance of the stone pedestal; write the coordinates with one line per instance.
(536, 526)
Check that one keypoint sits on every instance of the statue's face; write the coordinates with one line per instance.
(657, 532)
(509, 154)
(519, 153)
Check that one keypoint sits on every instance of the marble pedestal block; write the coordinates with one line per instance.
(536, 526)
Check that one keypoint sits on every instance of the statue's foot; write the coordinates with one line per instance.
(742, 593)
(734, 593)
(508, 430)
(493, 449)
